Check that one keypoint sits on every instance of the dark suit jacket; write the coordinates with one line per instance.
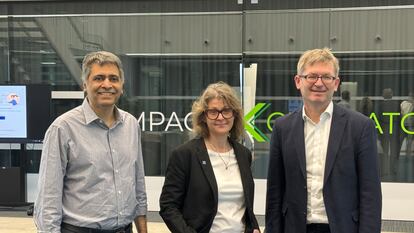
(188, 201)
(351, 189)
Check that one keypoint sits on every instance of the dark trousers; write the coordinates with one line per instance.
(317, 228)
(67, 228)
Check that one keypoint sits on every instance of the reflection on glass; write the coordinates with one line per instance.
(166, 67)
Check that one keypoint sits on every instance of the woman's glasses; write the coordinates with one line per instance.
(213, 114)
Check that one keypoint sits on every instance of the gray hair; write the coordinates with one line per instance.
(101, 58)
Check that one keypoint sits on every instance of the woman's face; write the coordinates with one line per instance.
(219, 118)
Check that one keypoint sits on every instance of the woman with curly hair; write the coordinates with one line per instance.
(208, 183)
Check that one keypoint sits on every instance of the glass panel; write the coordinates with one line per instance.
(4, 51)
(34, 57)
(162, 96)
(377, 86)
(171, 52)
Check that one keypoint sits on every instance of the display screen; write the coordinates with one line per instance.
(24, 112)
(13, 112)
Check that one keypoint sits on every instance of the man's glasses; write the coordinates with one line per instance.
(313, 78)
(213, 114)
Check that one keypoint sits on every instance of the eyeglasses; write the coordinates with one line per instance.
(313, 78)
(213, 114)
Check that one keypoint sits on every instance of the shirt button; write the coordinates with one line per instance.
(120, 213)
(304, 187)
(116, 171)
(119, 192)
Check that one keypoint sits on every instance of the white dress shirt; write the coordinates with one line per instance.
(316, 145)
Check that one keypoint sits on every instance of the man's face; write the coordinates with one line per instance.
(317, 93)
(103, 86)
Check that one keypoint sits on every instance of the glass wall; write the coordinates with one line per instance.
(172, 50)
(378, 85)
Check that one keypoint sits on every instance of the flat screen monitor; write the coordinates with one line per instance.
(24, 112)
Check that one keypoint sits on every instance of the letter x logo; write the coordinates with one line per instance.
(249, 124)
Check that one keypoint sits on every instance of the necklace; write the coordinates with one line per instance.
(226, 164)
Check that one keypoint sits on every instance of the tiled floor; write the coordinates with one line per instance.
(19, 222)
(26, 225)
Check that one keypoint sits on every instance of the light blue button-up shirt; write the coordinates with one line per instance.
(90, 175)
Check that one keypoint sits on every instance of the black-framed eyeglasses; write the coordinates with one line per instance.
(313, 78)
(213, 114)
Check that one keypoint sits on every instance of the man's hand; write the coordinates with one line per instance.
(141, 224)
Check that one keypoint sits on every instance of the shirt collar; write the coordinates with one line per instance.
(90, 115)
(327, 113)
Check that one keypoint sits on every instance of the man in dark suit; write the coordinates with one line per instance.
(323, 169)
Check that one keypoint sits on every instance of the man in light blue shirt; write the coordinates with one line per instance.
(91, 175)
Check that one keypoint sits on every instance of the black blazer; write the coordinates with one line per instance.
(188, 201)
(351, 189)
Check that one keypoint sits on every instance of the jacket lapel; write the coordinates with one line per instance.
(335, 138)
(243, 164)
(299, 140)
(240, 159)
(205, 164)
(244, 167)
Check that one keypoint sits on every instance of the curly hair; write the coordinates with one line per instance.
(224, 92)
